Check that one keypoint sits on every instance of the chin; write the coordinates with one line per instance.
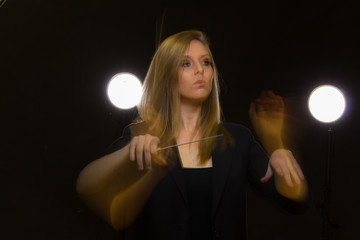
(199, 100)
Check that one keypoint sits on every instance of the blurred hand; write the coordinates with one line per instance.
(289, 178)
(142, 148)
(285, 165)
(267, 115)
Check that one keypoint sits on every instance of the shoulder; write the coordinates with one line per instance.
(237, 134)
(132, 129)
(237, 129)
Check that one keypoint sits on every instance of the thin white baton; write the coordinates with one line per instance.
(201, 139)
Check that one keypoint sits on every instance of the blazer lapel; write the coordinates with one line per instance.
(178, 175)
(221, 160)
(221, 166)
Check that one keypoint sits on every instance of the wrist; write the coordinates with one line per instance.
(272, 144)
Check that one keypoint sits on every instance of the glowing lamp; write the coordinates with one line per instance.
(326, 103)
(124, 90)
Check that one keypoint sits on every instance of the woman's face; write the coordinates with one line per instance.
(195, 74)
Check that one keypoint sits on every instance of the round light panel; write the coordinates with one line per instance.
(326, 103)
(124, 90)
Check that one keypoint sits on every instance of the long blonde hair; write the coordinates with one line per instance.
(160, 103)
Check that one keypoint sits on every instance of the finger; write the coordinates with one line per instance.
(147, 152)
(153, 148)
(132, 147)
(267, 94)
(296, 171)
(280, 104)
(154, 145)
(296, 166)
(268, 175)
(270, 94)
(292, 171)
(264, 100)
(261, 105)
(280, 100)
(272, 101)
(140, 153)
(287, 177)
(266, 104)
(278, 169)
(299, 171)
(285, 167)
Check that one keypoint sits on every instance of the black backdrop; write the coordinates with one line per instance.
(56, 58)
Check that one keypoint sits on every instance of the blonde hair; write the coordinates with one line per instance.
(160, 103)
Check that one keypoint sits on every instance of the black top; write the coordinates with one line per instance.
(198, 183)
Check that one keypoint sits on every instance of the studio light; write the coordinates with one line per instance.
(124, 90)
(326, 103)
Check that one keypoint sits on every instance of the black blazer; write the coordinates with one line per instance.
(165, 215)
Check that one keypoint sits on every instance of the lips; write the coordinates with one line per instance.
(199, 82)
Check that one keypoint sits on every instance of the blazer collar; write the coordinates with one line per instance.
(221, 161)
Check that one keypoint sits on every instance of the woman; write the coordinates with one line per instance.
(180, 172)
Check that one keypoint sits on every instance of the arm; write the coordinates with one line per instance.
(116, 186)
(289, 179)
(267, 117)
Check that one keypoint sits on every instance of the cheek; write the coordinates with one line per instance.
(182, 83)
(211, 80)
(209, 76)
(180, 79)
(184, 79)
(209, 72)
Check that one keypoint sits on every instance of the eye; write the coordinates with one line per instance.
(186, 64)
(206, 62)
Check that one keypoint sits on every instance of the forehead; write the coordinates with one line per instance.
(196, 48)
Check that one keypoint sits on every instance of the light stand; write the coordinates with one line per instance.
(325, 206)
(327, 104)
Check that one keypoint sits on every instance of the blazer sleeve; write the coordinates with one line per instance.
(257, 161)
(257, 167)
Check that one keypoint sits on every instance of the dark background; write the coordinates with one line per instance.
(56, 58)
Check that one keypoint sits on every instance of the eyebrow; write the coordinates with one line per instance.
(204, 55)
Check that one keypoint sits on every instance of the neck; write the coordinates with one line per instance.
(190, 115)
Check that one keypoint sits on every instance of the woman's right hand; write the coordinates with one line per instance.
(142, 148)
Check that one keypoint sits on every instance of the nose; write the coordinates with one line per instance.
(199, 69)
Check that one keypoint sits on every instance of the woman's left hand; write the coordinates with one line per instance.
(289, 178)
(285, 165)
(267, 117)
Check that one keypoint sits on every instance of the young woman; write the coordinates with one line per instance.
(153, 185)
